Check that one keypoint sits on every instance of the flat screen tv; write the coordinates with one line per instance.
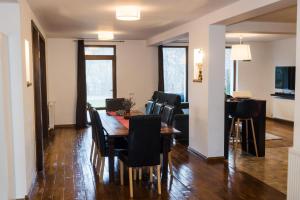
(285, 77)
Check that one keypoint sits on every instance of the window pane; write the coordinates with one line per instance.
(99, 81)
(174, 60)
(229, 72)
(105, 51)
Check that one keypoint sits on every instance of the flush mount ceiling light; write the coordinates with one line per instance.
(241, 51)
(128, 13)
(105, 35)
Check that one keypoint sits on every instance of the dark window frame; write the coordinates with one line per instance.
(186, 68)
(113, 58)
(234, 71)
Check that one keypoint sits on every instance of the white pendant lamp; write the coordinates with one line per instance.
(241, 51)
(128, 13)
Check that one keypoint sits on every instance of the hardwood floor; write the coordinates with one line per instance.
(272, 169)
(69, 175)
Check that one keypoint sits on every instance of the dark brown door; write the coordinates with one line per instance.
(40, 95)
(44, 89)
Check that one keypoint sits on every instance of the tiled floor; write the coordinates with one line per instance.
(272, 169)
(69, 175)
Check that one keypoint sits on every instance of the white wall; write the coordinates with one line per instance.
(18, 28)
(136, 73)
(258, 75)
(6, 151)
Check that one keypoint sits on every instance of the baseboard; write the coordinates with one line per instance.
(65, 126)
(281, 120)
(208, 159)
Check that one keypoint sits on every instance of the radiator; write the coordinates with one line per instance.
(294, 175)
(51, 109)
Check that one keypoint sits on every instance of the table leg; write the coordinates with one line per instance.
(166, 149)
(111, 159)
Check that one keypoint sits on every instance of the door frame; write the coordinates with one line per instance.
(114, 65)
(40, 94)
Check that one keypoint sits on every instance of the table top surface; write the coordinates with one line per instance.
(115, 129)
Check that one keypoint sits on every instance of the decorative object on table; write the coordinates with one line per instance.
(120, 112)
(128, 105)
(198, 65)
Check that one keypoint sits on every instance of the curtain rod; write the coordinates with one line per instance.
(95, 40)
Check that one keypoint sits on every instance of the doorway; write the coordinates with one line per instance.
(40, 94)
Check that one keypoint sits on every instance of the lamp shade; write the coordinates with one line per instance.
(241, 52)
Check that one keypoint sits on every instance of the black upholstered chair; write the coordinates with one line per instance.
(114, 104)
(246, 110)
(181, 123)
(157, 108)
(93, 146)
(102, 144)
(143, 147)
(149, 107)
(167, 114)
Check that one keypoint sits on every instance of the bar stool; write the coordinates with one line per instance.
(246, 110)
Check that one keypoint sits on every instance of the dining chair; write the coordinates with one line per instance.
(114, 104)
(93, 146)
(149, 107)
(167, 114)
(143, 148)
(157, 109)
(102, 144)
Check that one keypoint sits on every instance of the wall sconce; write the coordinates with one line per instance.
(27, 63)
(198, 65)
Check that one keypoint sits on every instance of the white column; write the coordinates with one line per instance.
(293, 190)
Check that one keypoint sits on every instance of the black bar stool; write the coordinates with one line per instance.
(246, 110)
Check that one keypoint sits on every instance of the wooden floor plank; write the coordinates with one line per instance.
(70, 175)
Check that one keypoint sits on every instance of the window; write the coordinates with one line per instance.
(230, 73)
(100, 74)
(175, 70)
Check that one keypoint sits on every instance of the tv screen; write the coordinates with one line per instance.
(285, 78)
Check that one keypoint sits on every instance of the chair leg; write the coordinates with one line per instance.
(130, 182)
(92, 151)
(99, 164)
(151, 174)
(140, 173)
(121, 172)
(95, 156)
(102, 169)
(158, 180)
(254, 137)
(170, 163)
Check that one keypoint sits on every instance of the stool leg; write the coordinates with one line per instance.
(232, 126)
(121, 172)
(151, 174)
(140, 173)
(247, 136)
(254, 137)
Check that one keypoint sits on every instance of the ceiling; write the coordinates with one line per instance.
(83, 18)
(287, 15)
(255, 37)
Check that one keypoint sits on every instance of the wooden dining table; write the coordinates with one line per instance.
(115, 129)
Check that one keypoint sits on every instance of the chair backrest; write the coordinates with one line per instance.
(89, 109)
(144, 140)
(167, 114)
(149, 107)
(157, 108)
(114, 104)
(99, 132)
(247, 109)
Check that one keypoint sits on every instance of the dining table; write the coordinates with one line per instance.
(118, 126)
